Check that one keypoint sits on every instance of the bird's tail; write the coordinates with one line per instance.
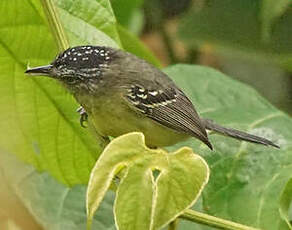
(210, 125)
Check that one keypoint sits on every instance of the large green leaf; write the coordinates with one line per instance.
(38, 115)
(286, 203)
(126, 11)
(244, 176)
(89, 22)
(237, 26)
(143, 201)
(133, 45)
(52, 205)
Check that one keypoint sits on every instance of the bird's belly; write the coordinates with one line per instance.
(118, 120)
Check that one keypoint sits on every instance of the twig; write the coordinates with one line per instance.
(212, 221)
(55, 24)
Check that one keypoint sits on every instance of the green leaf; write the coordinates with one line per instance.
(244, 176)
(121, 152)
(179, 184)
(89, 22)
(134, 197)
(124, 12)
(270, 11)
(143, 201)
(133, 45)
(234, 36)
(285, 203)
(53, 205)
(39, 115)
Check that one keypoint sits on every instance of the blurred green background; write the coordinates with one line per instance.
(249, 40)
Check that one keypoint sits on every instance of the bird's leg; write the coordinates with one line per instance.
(83, 116)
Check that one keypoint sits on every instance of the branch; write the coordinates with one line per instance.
(173, 225)
(212, 221)
(55, 24)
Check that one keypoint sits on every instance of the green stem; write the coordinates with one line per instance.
(55, 24)
(168, 43)
(173, 225)
(212, 221)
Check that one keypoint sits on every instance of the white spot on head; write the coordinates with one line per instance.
(132, 96)
(85, 58)
(136, 102)
(75, 59)
(107, 58)
(153, 93)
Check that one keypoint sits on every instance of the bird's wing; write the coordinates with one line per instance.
(170, 107)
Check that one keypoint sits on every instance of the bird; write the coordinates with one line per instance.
(122, 93)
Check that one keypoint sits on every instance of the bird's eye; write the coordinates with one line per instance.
(70, 80)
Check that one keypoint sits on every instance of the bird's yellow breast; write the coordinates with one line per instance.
(115, 119)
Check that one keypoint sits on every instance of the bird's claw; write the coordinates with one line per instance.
(83, 116)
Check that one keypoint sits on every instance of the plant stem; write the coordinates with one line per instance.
(173, 225)
(55, 24)
(168, 43)
(212, 221)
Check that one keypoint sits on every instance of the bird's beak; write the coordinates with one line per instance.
(45, 70)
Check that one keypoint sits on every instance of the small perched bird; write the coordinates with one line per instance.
(122, 93)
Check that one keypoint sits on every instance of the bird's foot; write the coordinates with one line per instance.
(83, 116)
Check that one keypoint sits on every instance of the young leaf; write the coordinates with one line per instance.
(116, 156)
(143, 202)
(179, 184)
(134, 197)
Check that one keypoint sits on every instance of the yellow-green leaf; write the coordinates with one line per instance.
(144, 199)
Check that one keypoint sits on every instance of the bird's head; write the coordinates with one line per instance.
(78, 68)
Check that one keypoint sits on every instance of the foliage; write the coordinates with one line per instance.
(145, 200)
(39, 124)
(250, 27)
(242, 175)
